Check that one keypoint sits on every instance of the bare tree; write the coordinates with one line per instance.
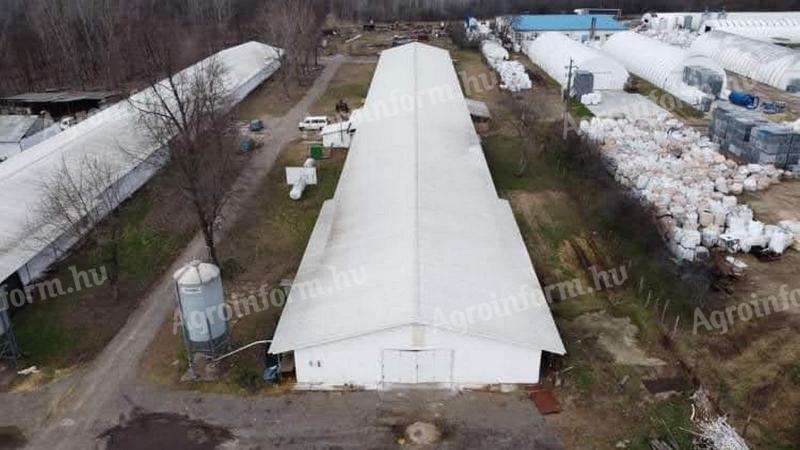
(80, 203)
(296, 27)
(526, 122)
(187, 112)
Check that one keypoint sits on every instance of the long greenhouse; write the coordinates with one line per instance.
(662, 64)
(553, 51)
(768, 63)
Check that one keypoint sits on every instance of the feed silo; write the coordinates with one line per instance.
(202, 305)
(553, 51)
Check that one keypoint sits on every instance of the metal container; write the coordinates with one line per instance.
(202, 301)
(744, 99)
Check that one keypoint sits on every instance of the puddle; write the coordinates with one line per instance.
(11, 438)
(157, 430)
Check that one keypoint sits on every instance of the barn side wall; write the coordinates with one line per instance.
(359, 361)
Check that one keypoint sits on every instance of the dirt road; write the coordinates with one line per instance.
(92, 402)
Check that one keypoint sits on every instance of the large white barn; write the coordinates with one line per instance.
(416, 272)
(113, 134)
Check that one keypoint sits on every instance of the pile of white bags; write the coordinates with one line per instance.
(513, 76)
(678, 38)
(691, 186)
(593, 98)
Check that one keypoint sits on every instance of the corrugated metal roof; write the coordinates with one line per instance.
(416, 217)
(60, 96)
(14, 127)
(565, 22)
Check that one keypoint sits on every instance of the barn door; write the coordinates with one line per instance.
(417, 366)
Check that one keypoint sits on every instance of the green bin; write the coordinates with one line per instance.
(315, 151)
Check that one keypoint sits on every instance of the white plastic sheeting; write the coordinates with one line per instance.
(659, 63)
(768, 63)
(553, 51)
(513, 76)
(115, 134)
(398, 217)
(779, 31)
(691, 186)
(695, 20)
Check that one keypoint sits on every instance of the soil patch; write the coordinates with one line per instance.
(149, 431)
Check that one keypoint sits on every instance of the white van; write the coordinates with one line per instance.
(313, 123)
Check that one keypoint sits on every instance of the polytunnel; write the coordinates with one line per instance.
(661, 64)
(780, 31)
(552, 52)
(768, 63)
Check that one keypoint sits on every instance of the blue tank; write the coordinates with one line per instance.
(744, 99)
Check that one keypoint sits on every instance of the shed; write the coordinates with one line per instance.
(393, 288)
(553, 51)
(61, 103)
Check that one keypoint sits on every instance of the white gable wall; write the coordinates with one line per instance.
(359, 361)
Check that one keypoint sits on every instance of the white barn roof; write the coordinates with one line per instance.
(112, 134)
(416, 213)
(553, 51)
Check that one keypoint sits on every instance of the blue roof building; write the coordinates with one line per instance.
(577, 26)
(565, 22)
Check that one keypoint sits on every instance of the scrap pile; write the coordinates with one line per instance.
(513, 76)
(717, 434)
(691, 186)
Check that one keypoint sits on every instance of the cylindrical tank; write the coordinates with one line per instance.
(201, 299)
(744, 99)
(297, 189)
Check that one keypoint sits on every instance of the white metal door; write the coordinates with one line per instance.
(417, 366)
(399, 366)
(434, 366)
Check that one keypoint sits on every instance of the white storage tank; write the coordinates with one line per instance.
(202, 302)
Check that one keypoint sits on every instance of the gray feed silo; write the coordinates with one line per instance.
(201, 300)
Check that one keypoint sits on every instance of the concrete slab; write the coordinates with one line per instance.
(618, 103)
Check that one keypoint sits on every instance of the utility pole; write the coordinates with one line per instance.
(567, 94)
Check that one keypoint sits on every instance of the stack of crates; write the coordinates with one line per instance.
(582, 83)
(740, 126)
(704, 79)
(718, 129)
(774, 144)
